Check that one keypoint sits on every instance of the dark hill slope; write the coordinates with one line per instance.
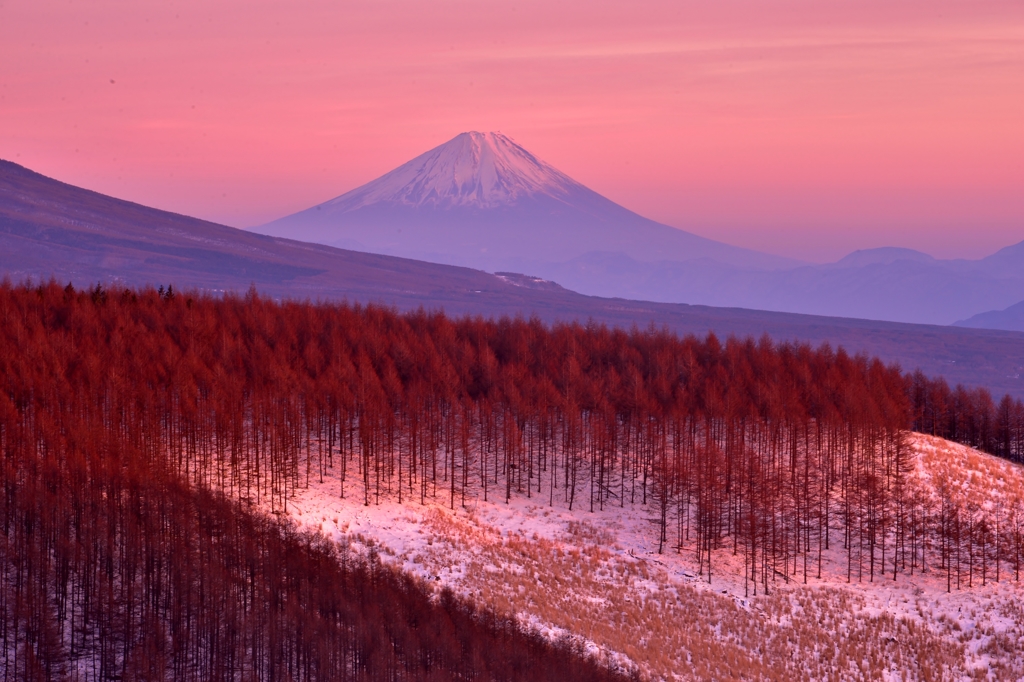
(49, 228)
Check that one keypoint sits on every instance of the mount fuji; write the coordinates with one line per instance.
(483, 201)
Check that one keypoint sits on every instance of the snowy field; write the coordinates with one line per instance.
(598, 576)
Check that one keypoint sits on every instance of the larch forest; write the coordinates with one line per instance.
(144, 432)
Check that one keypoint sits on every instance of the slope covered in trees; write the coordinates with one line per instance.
(968, 416)
(109, 574)
(113, 567)
(779, 451)
(599, 574)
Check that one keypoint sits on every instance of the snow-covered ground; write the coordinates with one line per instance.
(598, 576)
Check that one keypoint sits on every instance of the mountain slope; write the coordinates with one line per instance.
(49, 228)
(483, 201)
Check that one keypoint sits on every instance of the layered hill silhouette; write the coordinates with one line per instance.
(1009, 318)
(52, 229)
(894, 284)
(480, 200)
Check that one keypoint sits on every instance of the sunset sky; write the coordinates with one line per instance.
(806, 129)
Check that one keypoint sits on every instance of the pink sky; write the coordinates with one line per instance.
(803, 128)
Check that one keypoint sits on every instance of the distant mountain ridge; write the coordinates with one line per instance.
(885, 255)
(915, 290)
(1011, 318)
(481, 200)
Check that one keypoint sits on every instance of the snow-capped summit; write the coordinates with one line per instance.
(481, 170)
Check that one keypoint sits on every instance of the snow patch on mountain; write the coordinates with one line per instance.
(477, 170)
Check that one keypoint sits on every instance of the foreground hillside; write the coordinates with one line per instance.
(599, 576)
(762, 465)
